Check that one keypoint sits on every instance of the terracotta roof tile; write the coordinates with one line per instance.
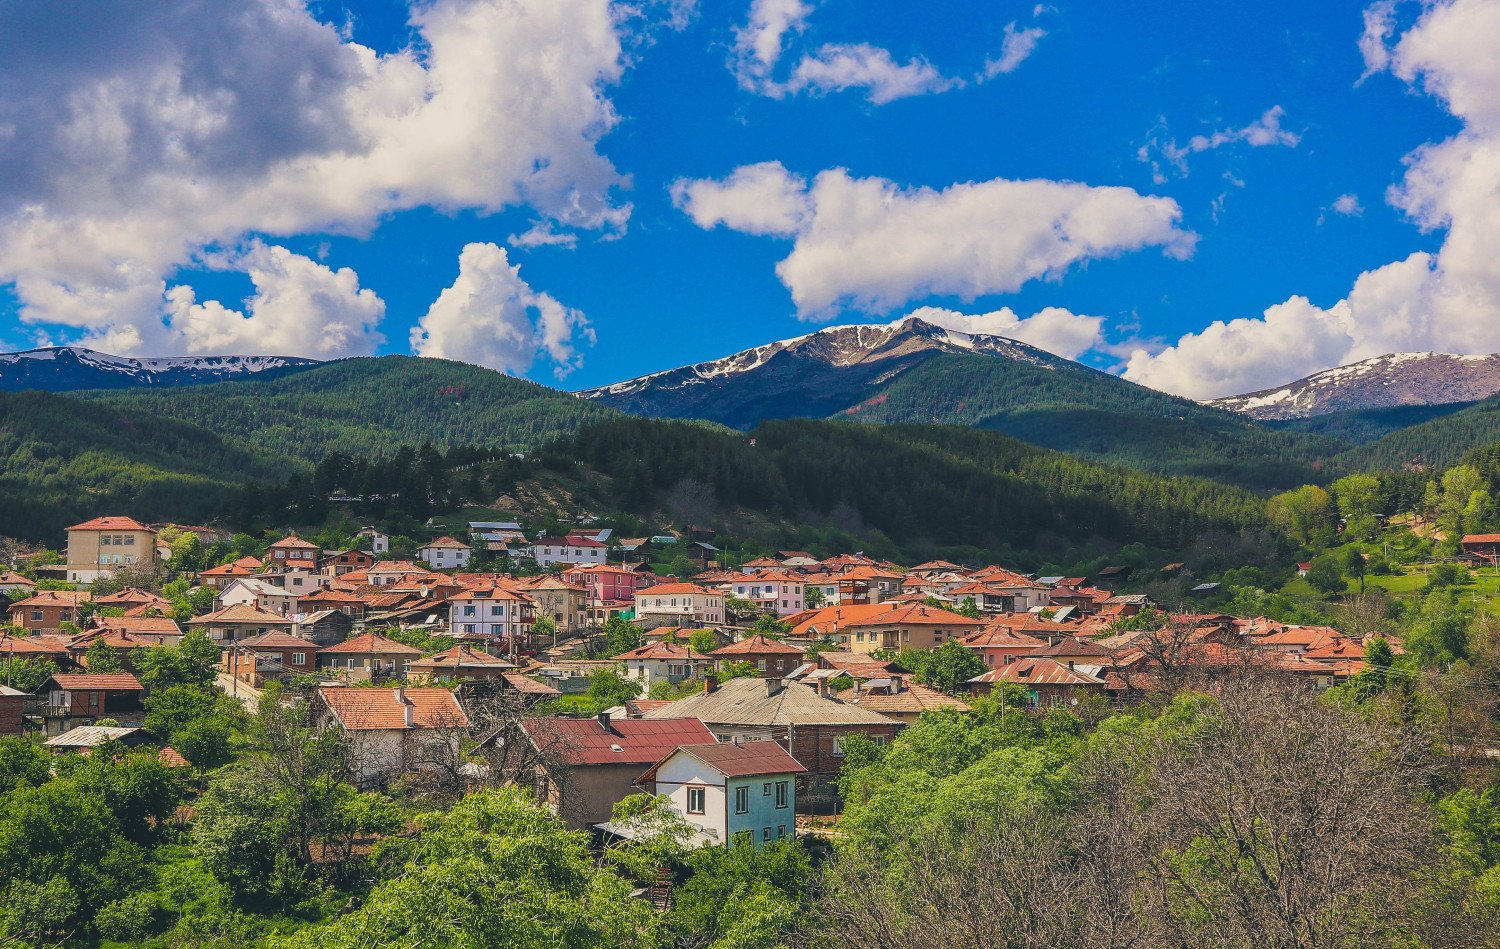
(361, 709)
(584, 741)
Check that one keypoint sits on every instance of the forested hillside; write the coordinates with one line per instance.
(1358, 426)
(365, 406)
(1084, 412)
(63, 460)
(1439, 443)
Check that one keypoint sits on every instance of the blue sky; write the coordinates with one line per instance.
(1257, 216)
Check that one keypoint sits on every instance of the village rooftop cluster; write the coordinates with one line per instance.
(772, 666)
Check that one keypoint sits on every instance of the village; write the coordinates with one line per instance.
(732, 695)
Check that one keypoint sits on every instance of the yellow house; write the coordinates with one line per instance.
(99, 547)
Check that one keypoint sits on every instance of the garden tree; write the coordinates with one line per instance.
(770, 627)
(737, 609)
(1354, 565)
(968, 608)
(199, 723)
(1358, 495)
(1438, 632)
(495, 870)
(187, 552)
(813, 598)
(735, 891)
(1305, 515)
(1365, 613)
(24, 762)
(193, 661)
(1326, 575)
(102, 657)
(703, 641)
(26, 673)
(945, 668)
(543, 630)
(620, 635)
(607, 688)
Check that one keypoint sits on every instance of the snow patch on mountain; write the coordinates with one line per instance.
(1389, 381)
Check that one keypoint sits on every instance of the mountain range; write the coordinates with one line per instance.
(71, 368)
(1391, 381)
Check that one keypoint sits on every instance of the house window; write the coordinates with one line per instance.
(742, 800)
(765, 789)
(780, 831)
(761, 663)
(782, 793)
(129, 540)
(695, 800)
(299, 658)
(765, 835)
(838, 746)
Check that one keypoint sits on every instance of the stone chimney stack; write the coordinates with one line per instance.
(604, 722)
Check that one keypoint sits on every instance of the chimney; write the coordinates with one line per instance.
(709, 684)
(772, 687)
(604, 722)
(823, 688)
(405, 703)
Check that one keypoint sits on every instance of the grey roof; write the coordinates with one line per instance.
(89, 736)
(746, 701)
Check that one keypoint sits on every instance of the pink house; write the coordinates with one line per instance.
(606, 584)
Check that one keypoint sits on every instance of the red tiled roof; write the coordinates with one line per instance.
(916, 615)
(661, 649)
(53, 598)
(528, 685)
(912, 699)
(170, 757)
(756, 645)
(359, 709)
(297, 542)
(276, 639)
(372, 643)
(447, 542)
(111, 524)
(238, 568)
(1481, 539)
(584, 741)
(677, 589)
(1037, 672)
(108, 681)
(159, 625)
(745, 760)
(239, 613)
(1068, 646)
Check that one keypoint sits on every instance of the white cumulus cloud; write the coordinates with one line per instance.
(156, 132)
(871, 244)
(1448, 301)
(841, 66)
(491, 317)
(299, 307)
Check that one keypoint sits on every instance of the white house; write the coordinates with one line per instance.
(679, 604)
(445, 553)
(573, 549)
(253, 591)
(298, 581)
(776, 590)
(725, 789)
(662, 661)
(379, 543)
(491, 611)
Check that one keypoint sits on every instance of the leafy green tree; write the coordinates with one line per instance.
(1439, 632)
(620, 635)
(968, 608)
(703, 641)
(26, 673)
(1305, 514)
(813, 598)
(102, 657)
(24, 762)
(495, 870)
(1358, 495)
(741, 895)
(607, 688)
(1355, 565)
(945, 668)
(1325, 575)
(770, 627)
(194, 661)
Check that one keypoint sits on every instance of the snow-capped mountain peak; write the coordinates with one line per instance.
(67, 368)
(1389, 381)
